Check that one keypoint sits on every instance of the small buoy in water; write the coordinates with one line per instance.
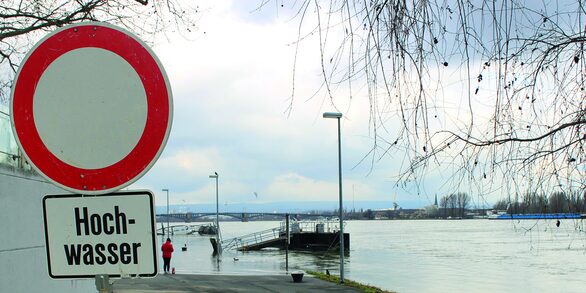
(236, 259)
(173, 271)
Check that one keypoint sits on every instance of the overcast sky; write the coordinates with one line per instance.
(231, 85)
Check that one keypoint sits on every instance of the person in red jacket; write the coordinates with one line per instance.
(167, 249)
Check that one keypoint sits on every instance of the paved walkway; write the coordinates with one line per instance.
(226, 283)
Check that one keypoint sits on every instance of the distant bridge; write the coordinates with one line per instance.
(242, 216)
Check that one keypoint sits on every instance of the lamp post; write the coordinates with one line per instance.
(215, 176)
(341, 215)
(167, 190)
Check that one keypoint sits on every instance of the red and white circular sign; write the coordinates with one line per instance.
(91, 108)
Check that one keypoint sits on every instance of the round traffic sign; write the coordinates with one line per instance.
(91, 108)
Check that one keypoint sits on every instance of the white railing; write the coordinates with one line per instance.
(329, 225)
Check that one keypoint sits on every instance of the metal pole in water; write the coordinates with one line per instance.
(218, 215)
(287, 243)
(168, 231)
(215, 176)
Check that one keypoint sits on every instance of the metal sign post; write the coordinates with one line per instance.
(103, 284)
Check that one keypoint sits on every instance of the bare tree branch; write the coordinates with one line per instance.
(495, 88)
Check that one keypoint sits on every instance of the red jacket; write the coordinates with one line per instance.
(167, 249)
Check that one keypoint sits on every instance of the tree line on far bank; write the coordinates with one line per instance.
(458, 205)
(532, 202)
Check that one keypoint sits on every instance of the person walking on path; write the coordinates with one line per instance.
(167, 249)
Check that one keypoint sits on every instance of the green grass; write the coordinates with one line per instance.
(349, 283)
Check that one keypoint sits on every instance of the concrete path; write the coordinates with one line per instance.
(226, 283)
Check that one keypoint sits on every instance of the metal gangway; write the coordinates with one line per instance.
(255, 241)
(275, 237)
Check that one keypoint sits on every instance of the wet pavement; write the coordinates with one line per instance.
(226, 283)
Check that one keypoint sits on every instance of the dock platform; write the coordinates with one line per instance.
(306, 235)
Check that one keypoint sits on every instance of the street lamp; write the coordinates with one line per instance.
(167, 190)
(337, 115)
(215, 176)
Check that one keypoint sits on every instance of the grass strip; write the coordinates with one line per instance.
(349, 283)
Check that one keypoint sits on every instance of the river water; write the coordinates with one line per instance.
(420, 256)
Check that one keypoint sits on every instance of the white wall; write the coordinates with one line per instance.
(23, 259)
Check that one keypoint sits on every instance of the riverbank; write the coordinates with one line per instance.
(227, 283)
(349, 283)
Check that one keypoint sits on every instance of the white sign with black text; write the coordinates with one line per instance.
(112, 234)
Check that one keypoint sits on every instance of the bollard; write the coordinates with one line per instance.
(297, 276)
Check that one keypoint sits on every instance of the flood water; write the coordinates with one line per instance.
(420, 256)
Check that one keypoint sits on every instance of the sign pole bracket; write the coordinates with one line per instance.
(103, 284)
